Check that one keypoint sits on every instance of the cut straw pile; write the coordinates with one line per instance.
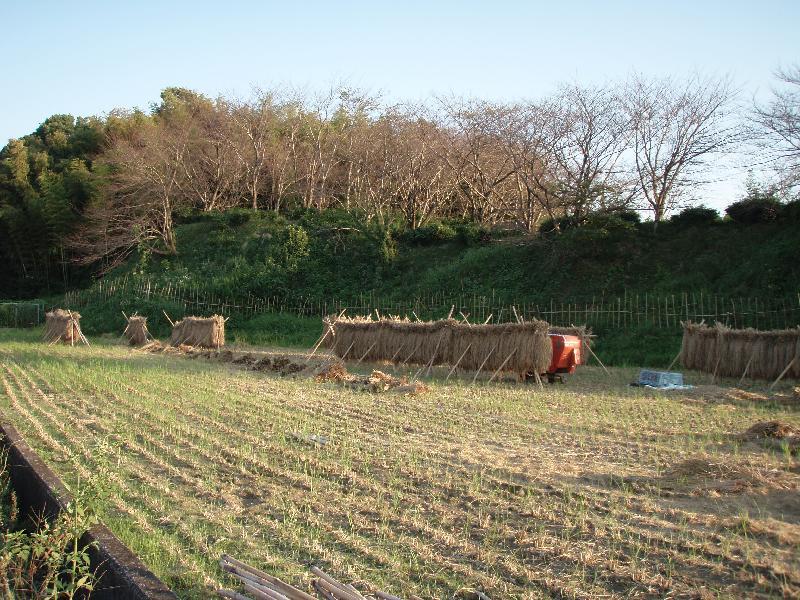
(63, 326)
(739, 352)
(331, 370)
(205, 332)
(136, 331)
(511, 347)
(260, 585)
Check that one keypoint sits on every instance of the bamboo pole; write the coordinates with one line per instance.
(674, 360)
(365, 353)
(435, 352)
(396, 352)
(478, 372)
(488, 318)
(338, 587)
(501, 366)
(231, 565)
(464, 318)
(747, 366)
(786, 370)
(346, 352)
(597, 358)
(324, 335)
(463, 354)
(168, 319)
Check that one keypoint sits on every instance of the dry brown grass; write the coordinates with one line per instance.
(513, 347)
(732, 352)
(203, 332)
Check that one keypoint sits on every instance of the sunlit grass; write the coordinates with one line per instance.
(511, 490)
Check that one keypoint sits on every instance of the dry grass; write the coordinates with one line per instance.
(62, 326)
(588, 490)
(204, 332)
(734, 352)
(513, 347)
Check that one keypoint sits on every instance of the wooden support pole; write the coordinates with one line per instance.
(488, 318)
(478, 372)
(597, 358)
(435, 352)
(786, 370)
(458, 361)
(747, 366)
(516, 315)
(464, 318)
(396, 352)
(716, 366)
(365, 353)
(168, 319)
(411, 354)
(501, 366)
(674, 360)
(450, 314)
(324, 335)
(346, 352)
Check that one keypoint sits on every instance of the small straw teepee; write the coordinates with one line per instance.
(136, 331)
(63, 326)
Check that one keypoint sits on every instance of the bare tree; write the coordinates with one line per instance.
(269, 126)
(777, 127)
(587, 135)
(677, 126)
(212, 175)
(137, 209)
(526, 142)
(476, 156)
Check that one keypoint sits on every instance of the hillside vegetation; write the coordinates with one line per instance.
(335, 255)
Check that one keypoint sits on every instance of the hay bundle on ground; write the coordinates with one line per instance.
(514, 347)
(63, 325)
(136, 331)
(730, 352)
(206, 332)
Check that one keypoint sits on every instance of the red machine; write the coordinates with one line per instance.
(566, 356)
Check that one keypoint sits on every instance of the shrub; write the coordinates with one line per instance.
(752, 210)
(631, 216)
(611, 222)
(791, 211)
(695, 216)
(433, 233)
(45, 560)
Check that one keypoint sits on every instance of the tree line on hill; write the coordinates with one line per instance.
(85, 193)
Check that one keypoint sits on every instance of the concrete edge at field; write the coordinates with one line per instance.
(39, 491)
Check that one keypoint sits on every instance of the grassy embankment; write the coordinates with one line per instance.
(589, 489)
(334, 255)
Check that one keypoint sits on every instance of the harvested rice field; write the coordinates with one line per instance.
(590, 489)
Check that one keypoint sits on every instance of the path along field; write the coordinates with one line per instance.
(590, 489)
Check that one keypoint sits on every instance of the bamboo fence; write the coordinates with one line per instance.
(626, 311)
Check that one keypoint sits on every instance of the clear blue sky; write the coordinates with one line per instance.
(88, 57)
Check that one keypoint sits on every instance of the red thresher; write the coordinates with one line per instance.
(566, 356)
